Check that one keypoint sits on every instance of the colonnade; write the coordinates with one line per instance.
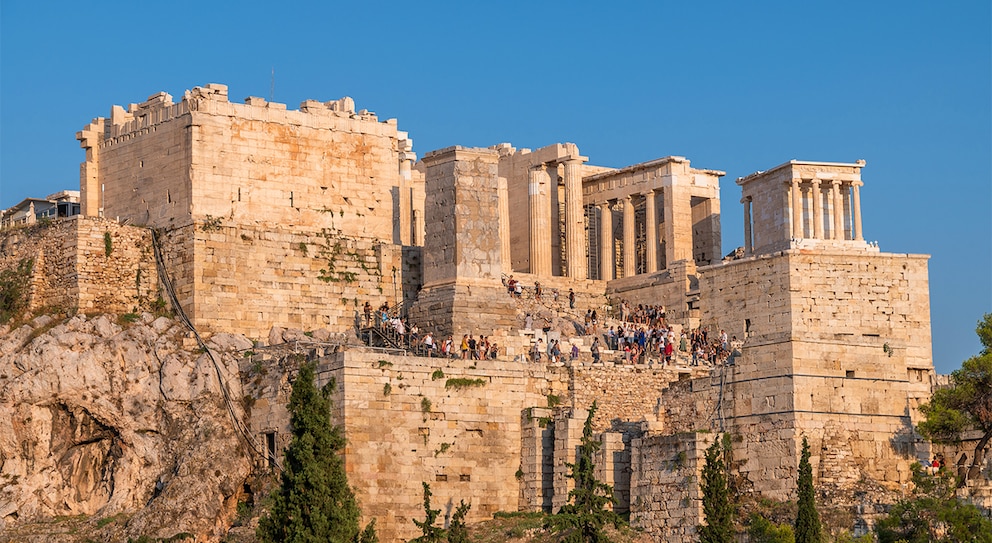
(809, 200)
(539, 203)
(606, 235)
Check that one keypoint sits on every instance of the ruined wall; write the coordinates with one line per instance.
(72, 269)
(665, 498)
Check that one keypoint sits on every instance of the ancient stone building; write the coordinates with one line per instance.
(270, 218)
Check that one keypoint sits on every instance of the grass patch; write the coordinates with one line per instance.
(463, 382)
(438, 374)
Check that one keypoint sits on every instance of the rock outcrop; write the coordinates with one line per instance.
(124, 421)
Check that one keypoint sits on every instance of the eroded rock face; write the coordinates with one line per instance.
(102, 418)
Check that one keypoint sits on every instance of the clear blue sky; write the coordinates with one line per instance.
(735, 86)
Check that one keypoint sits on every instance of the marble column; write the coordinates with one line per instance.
(651, 216)
(606, 266)
(857, 210)
(504, 224)
(629, 258)
(817, 210)
(540, 220)
(575, 224)
(748, 244)
(797, 210)
(837, 228)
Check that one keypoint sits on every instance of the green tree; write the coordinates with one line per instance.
(762, 530)
(717, 510)
(314, 502)
(808, 529)
(583, 519)
(458, 531)
(967, 403)
(429, 532)
(934, 513)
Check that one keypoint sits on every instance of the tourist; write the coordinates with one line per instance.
(472, 347)
(537, 290)
(535, 350)
(595, 350)
(464, 347)
(368, 314)
(571, 299)
(575, 352)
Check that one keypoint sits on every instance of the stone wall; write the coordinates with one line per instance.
(665, 498)
(249, 279)
(74, 270)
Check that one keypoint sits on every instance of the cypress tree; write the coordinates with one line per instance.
(314, 502)
(584, 518)
(717, 510)
(808, 528)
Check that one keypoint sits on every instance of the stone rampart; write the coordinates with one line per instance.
(84, 264)
(248, 279)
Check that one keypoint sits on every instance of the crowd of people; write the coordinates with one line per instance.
(642, 334)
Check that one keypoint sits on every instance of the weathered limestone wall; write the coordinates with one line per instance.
(73, 270)
(624, 393)
(164, 164)
(249, 279)
(462, 292)
(822, 330)
(464, 442)
(665, 498)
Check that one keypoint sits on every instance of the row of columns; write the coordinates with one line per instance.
(606, 267)
(539, 192)
(816, 199)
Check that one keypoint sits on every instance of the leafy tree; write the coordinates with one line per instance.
(314, 502)
(583, 519)
(717, 510)
(430, 533)
(967, 403)
(762, 530)
(934, 513)
(808, 529)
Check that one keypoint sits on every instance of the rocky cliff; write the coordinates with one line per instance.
(120, 423)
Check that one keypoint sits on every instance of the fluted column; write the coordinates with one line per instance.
(857, 210)
(837, 230)
(629, 262)
(748, 244)
(797, 210)
(575, 240)
(651, 216)
(606, 267)
(817, 210)
(540, 220)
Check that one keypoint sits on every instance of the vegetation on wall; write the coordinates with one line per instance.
(14, 283)
(934, 513)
